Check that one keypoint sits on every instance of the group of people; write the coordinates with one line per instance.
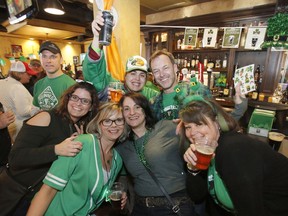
(70, 143)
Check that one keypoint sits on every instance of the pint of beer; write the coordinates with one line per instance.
(275, 140)
(204, 153)
(116, 91)
(115, 196)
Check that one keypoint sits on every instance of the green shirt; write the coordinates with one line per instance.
(80, 179)
(47, 91)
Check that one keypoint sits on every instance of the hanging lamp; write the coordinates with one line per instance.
(54, 7)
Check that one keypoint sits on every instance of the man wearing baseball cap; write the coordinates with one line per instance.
(47, 91)
(15, 97)
(94, 68)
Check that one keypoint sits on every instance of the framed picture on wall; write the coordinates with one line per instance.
(16, 50)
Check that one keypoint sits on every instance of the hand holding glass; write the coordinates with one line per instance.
(115, 196)
(116, 91)
(204, 150)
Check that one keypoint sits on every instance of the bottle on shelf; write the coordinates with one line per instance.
(205, 61)
(257, 74)
(226, 90)
(218, 62)
(255, 93)
(197, 60)
(193, 61)
(185, 62)
(188, 63)
(261, 74)
(210, 63)
(179, 42)
(224, 62)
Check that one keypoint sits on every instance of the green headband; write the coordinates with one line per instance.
(222, 122)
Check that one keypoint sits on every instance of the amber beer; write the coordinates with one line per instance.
(275, 140)
(204, 155)
(115, 198)
(116, 91)
(116, 95)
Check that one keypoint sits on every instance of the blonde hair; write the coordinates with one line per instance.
(106, 110)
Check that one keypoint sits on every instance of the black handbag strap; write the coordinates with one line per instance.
(175, 207)
(29, 188)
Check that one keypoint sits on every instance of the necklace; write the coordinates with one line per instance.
(141, 148)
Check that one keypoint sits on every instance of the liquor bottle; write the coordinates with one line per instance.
(226, 90)
(185, 62)
(193, 61)
(257, 74)
(188, 63)
(205, 61)
(218, 62)
(224, 62)
(255, 93)
(197, 60)
(261, 74)
(180, 76)
(179, 44)
(210, 63)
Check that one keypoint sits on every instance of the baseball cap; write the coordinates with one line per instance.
(136, 63)
(22, 67)
(35, 62)
(52, 47)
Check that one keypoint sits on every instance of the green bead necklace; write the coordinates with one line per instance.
(141, 148)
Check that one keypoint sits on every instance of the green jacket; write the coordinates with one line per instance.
(95, 71)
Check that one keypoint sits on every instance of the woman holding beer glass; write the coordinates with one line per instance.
(78, 185)
(245, 177)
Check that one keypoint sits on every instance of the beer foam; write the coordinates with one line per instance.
(276, 136)
(205, 149)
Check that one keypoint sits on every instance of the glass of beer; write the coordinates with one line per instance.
(204, 152)
(116, 91)
(275, 140)
(115, 196)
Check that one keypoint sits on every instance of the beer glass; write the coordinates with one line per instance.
(115, 196)
(116, 91)
(205, 149)
(275, 140)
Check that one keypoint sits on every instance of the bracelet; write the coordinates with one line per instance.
(194, 173)
(192, 170)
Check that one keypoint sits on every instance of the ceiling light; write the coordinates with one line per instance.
(54, 7)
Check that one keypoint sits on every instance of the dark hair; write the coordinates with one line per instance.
(62, 109)
(198, 111)
(143, 102)
(161, 52)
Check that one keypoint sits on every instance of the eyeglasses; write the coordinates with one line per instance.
(83, 101)
(109, 122)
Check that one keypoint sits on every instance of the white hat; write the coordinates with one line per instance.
(18, 66)
(136, 63)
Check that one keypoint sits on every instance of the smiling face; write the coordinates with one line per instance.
(133, 114)
(135, 80)
(77, 109)
(51, 63)
(164, 72)
(115, 130)
(195, 131)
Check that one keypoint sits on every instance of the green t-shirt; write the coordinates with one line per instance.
(48, 91)
(170, 106)
(80, 179)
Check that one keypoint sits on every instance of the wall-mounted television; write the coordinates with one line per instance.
(19, 10)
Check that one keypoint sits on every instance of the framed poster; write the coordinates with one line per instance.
(190, 36)
(16, 50)
(210, 37)
(255, 37)
(231, 37)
